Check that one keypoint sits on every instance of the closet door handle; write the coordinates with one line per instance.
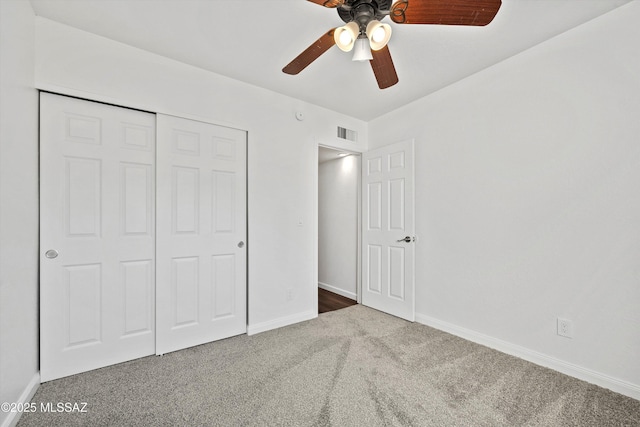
(241, 244)
(51, 254)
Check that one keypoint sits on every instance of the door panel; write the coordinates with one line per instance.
(138, 289)
(201, 285)
(136, 195)
(97, 211)
(82, 305)
(374, 264)
(388, 207)
(223, 280)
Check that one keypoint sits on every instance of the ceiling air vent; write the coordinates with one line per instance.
(348, 134)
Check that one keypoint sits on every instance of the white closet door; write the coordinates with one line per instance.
(388, 240)
(96, 235)
(201, 233)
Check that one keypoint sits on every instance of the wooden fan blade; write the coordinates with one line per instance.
(328, 3)
(445, 12)
(311, 53)
(383, 68)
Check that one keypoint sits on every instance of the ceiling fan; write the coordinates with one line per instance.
(368, 37)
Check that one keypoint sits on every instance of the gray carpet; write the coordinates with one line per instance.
(352, 367)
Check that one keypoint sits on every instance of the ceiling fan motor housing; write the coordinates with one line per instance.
(364, 11)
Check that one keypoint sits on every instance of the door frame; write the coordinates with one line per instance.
(353, 151)
(360, 221)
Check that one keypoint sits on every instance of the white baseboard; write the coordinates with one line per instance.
(25, 397)
(347, 294)
(593, 377)
(283, 321)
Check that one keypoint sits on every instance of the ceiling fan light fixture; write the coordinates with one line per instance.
(361, 51)
(346, 36)
(378, 34)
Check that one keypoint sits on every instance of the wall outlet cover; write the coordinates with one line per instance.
(565, 328)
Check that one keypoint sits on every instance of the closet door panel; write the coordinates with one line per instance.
(97, 261)
(201, 233)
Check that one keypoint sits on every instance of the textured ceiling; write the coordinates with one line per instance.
(251, 40)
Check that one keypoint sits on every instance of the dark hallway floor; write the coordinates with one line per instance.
(328, 301)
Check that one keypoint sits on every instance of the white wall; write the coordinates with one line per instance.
(338, 225)
(18, 207)
(528, 203)
(282, 152)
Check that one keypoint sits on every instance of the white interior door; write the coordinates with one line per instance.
(201, 233)
(96, 235)
(388, 240)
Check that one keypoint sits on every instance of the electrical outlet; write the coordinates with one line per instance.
(289, 294)
(565, 328)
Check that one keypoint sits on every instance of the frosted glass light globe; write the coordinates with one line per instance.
(379, 34)
(345, 38)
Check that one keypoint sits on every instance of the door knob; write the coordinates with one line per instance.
(51, 254)
(241, 244)
(407, 239)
